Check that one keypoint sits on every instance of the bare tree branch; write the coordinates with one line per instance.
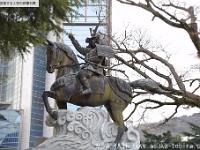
(191, 28)
(172, 115)
(170, 66)
(135, 52)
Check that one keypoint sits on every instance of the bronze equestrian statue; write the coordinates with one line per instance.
(112, 92)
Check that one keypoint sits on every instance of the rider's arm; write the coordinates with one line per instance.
(80, 49)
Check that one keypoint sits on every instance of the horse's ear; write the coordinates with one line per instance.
(50, 43)
(45, 42)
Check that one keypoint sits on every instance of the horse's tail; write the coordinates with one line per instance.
(148, 85)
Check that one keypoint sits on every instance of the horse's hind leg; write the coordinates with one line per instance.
(118, 118)
(115, 110)
(111, 114)
(45, 96)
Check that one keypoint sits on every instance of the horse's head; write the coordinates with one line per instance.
(53, 56)
(59, 54)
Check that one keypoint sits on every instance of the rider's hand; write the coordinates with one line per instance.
(71, 36)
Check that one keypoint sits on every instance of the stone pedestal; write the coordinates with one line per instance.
(87, 128)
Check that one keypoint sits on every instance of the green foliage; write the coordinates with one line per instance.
(22, 26)
(195, 136)
(167, 141)
(166, 137)
(159, 140)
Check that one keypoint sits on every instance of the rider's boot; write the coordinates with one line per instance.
(86, 87)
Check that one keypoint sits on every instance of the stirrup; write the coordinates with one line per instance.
(86, 91)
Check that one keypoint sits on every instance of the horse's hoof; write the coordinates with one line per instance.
(54, 115)
(126, 129)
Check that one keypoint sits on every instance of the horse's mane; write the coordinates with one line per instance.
(68, 51)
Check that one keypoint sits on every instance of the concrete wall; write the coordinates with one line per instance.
(27, 75)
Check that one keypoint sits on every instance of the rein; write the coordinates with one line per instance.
(78, 64)
(62, 66)
(105, 67)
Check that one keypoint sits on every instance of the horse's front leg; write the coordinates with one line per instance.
(45, 95)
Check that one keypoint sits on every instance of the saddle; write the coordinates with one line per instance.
(121, 88)
(97, 83)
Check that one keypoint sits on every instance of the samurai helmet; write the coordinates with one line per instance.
(97, 35)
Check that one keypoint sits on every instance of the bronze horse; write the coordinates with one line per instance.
(114, 93)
